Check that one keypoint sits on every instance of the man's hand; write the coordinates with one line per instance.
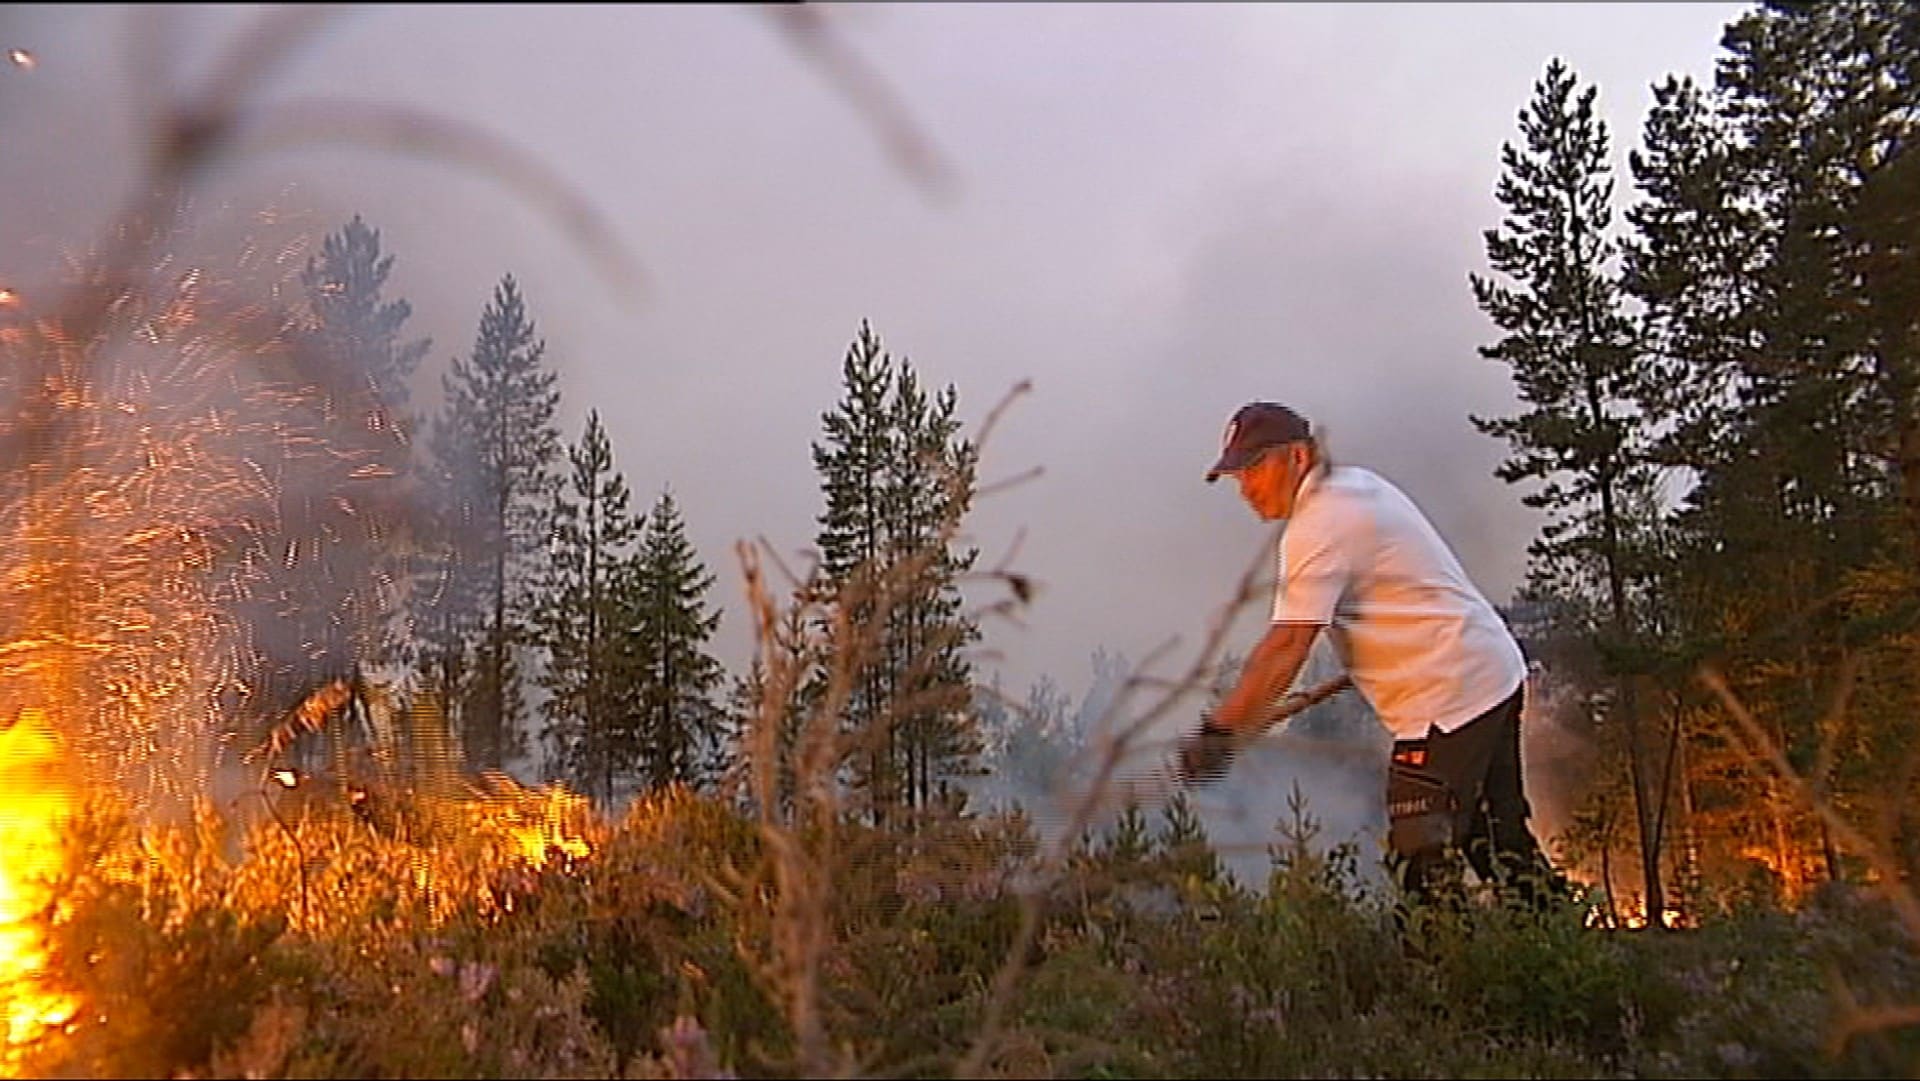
(1205, 754)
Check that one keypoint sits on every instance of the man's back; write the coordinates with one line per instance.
(1420, 640)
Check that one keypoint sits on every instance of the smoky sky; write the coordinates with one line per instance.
(1155, 214)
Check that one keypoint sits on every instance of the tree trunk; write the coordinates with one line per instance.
(1689, 833)
(1606, 878)
(1627, 699)
(1658, 914)
(1784, 860)
(1644, 812)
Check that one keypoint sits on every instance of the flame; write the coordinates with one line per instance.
(1629, 907)
(541, 822)
(1791, 875)
(559, 809)
(34, 800)
(1633, 916)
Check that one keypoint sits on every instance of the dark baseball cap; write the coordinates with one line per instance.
(1256, 428)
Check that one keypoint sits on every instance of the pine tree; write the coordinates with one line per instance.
(589, 717)
(1032, 753)
(338, 473)
(678, 735)
(496, 446)
(853, 553)
(356, 325)
(1129, 840)
(897, 481)
(1690, 263)
(1795, 553)
(1694, 265)
(1572, 355)
(746, 694)
(1826, 99)
(448, 591)
(1182, 840)
(931, 486)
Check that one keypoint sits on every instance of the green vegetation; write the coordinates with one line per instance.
(658, 955)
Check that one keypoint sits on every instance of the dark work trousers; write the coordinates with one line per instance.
(1460, 793)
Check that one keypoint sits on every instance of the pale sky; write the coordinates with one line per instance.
(1156, 213)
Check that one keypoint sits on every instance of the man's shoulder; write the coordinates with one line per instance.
(1357, 483)
(1354, 476)
(1341, 497)
(1352, 484)
(1355, 497)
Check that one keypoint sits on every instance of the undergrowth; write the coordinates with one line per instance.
(192, 955)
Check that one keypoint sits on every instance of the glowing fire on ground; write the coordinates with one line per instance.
(34, 799)
(544, 823)
(1628, 910)
(1633, 916)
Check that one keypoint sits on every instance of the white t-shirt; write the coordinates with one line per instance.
(1417, 638)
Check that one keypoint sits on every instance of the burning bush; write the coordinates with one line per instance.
(317, 947)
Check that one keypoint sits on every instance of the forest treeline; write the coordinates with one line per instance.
(1719, 395)
(1717, 367)
(475, 585)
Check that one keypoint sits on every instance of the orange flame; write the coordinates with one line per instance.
(541, 822)
(34, 800)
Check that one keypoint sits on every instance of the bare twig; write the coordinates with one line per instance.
(1832, 724)
(1857, 1021)
(397, 129)
(806, 26)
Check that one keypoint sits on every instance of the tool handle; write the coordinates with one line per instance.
(1289, 704)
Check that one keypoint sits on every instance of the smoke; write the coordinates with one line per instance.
(1334, 787)
(1557, 759)
(176, 435)
(1323, 774)
(1069, 766)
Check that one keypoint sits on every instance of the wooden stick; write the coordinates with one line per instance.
(1289, 704)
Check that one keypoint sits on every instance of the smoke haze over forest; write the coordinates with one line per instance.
(1153, 213)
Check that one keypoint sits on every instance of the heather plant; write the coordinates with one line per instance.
(319, 947)
(647, 957)
(658, 945)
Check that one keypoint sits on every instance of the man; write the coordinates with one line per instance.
(1358, 559)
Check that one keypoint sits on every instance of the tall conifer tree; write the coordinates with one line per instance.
(496, 447)
(1572, 355)
(579, 622)
(677, 729)
(1795, 548)
(897, 480)
(931, 481)
(339, 471)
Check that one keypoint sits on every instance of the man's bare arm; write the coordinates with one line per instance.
(1269, 671)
